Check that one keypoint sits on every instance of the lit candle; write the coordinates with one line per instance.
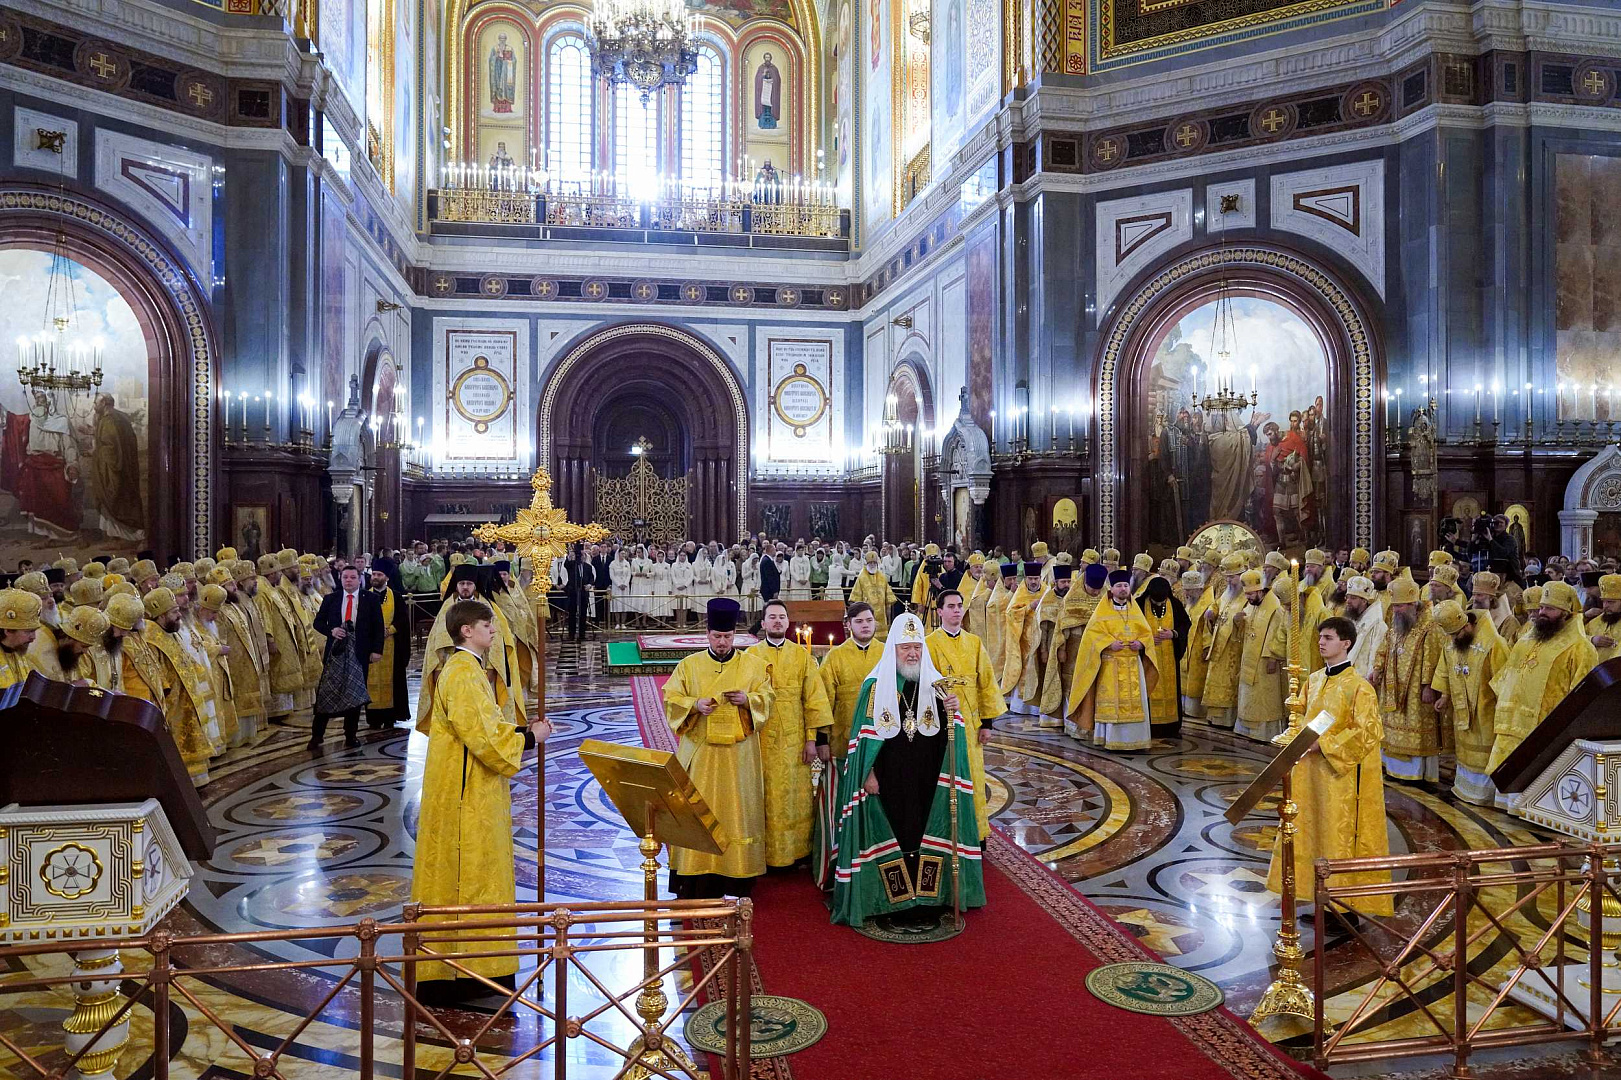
(993, 422)
(1294, 612)
(269, 400)
(1477, 402)
(1390, 409)
(1401, 417)
(1497, 402)
(1252, 378)
(1052, 431)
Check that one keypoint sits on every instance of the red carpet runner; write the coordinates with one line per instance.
(1005, 999)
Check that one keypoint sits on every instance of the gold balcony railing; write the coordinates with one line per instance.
(730, 214)
(564, 997)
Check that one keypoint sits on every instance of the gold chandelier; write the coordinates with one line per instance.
(56, 358)
(1221, 394)
(643, 43)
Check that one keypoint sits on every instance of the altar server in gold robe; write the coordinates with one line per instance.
(1338, 785)
(284, 631)
(959, 653)
(792, 740)
(1224, 620)
(500, 658)
(464, 837)
(1021, 644)
(717, 701)
(1403, 674)
(1469, 662)
(385, 679)
(873, 588)
(1262, 680)
(1604, 629)
(1007, 579)
(1551, 657)
(1079, 604)
(1116, 668)
(845, 667)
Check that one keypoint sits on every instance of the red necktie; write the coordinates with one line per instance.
(348, 607)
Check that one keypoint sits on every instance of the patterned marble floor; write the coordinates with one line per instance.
(326, 841)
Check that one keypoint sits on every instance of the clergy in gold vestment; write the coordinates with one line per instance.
(71, 661)
(1168, 619)
(1262, 680)
(1197, 597)
(464, 837)
(845, 667)
(185, 692)
(976, 593)
(1316, 586)
(1487, 595)
(1021, 644)
(1470, 660)
(800, 719)
(1604, 629)
(717, 701)
(1224, 632)
(135, 667)
(1054, 675)
(872, 587)
(520, 616)
(284, 630)
(500, 659)
(19, 625)
(1551, 657)
(1082, 600)
(956, 652)
(1338, 785)
(1116, 668)
(996, 614)
(1403, 672)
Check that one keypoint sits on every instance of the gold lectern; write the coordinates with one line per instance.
(657, 799)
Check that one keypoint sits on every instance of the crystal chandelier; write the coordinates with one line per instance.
(644, 43)
(56, 358)
(1220, 386)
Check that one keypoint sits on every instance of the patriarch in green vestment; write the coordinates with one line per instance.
(895, 840)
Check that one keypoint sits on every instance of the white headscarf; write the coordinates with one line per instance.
(886, 698)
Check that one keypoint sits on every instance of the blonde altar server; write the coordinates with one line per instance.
(996, 613)
(872, 588)
(1463, 680)
(1487, 596)
(717, 701)
(1363, 610)
(1116, 667)
(1262, 680)
(958, 653)
(1604, 629)
(1551, 657)
(1021, 644)
(1224, 622)
(1403, 674)
(1338, 784)
(845, 667)
(795, 736)
(464, 845)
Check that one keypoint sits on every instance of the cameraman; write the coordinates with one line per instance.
(352, 620)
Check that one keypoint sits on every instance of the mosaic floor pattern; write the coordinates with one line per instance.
(313, 842)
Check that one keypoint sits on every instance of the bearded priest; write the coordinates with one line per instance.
(717, 701)
(898, 794)
(1116, 668)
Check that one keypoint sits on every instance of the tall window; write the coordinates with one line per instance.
(636, 139)
(703, 121)
(569, 109)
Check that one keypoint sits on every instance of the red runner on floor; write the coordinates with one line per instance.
(1004, 999)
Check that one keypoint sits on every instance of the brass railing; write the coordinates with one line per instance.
(735, 215)
(559, 996)
(1469, 928)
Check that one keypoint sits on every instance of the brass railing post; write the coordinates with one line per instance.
(1460, 966)
(562, 958)
(367, 963)
(1595, 955)
(410, 942)
(159, 977)
(744, 984)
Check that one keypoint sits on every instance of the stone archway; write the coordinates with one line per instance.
(172, 309)
(1307, 289)
(654, 381)
(1595, 489)
(909, 402)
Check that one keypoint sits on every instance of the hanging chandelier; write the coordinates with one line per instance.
(642, 43)
(57, 358)
(1221, 393)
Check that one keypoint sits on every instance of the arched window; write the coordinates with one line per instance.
(636, 139)
(703, 121)
(569, 109)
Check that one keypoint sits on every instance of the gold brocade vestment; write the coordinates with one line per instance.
(380, 675)
(1110, 690)
(1411, 728)
(721, 752)
(1164, 706)
(978, 700)
(1021, 646)
(1340, 790)
(1537, 677)
(844, 668)
(14, 667)
(1261, 692)
(1076, 611)
(184, 692)
(1195, 667)
(249, 664)
(1464, 681)
(1224, 656)
(220, 681)
(799, 708)
(285, 630)
(996, 625)
(977, 593)
(872, 587)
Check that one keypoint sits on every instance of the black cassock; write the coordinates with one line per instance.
(1182, 624)
(908, 774)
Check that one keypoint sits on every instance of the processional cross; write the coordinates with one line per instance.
(542, 533)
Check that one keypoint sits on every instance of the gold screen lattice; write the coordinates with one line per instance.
(642, 504)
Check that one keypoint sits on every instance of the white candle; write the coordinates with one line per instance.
(1477, 402)
(1497, 402)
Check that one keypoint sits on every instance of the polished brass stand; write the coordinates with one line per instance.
(654, 1054)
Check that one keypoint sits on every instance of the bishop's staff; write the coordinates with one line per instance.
(542, 532)
(948, 687)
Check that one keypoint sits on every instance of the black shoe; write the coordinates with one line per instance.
(350, 742)
(313, 746)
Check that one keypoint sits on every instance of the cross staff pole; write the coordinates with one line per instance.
(541, 533)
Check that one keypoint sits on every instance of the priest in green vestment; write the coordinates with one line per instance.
(897, 792)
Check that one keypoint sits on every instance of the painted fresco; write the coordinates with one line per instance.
(841, 75)
(768, 118)
(1128, 30)
(342, 41)
(983, 75)
(502, 95)
(73, 466)
(949, 46)
(877, 180)
(334, 300)
(737, 12)
(981, 322)
(1266, 466)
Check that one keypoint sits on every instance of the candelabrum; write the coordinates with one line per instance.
(49, 363)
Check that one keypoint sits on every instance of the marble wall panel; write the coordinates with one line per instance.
(1587, 282)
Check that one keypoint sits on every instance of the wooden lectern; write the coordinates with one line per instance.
(658, 800)
(98, 813)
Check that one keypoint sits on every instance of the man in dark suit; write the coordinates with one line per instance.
(770, 576)
(577, 582)
(352, 619)
(600, 556)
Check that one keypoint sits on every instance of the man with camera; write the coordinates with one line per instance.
(352, 620)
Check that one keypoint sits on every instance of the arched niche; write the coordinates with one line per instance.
(1335, 317)
(673, 379)
(171, 309)
(904, 497)
(1592, 496)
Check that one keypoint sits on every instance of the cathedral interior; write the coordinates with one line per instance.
(339, 276)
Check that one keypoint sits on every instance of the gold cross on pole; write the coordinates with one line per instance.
(542, 533)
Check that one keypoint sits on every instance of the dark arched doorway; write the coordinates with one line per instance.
(663, 390)
(908, 410)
